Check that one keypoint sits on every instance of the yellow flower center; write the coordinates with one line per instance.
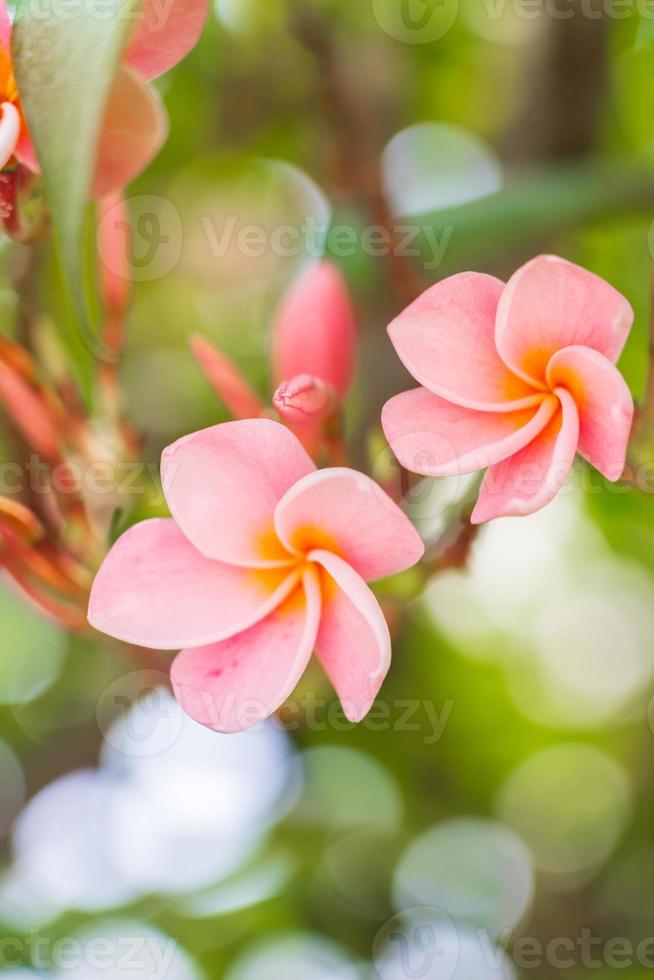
(8, 87)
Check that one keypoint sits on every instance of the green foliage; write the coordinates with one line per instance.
(65, 67)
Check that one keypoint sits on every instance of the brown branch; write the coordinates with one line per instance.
(566, 76)
(454, 544)
(642, 438)
(357, 148)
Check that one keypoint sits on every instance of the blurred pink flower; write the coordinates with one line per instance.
(517, 378)
(134, 124)
(314, 350)
(316, 329)
(264, 559)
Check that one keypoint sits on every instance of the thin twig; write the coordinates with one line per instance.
(641, 443)
(357, 151)
(454, 544)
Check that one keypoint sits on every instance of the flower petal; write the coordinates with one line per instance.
(233, 685)
(437, 438)
(223, 484)
(549, 304)
(165, 34)
(25, 152)
(315, 330)
(133, 130)
(446, 340)
(156, 590)
(353, 644)
(604, 403)
(532, 477)
(346, 512)
(10, 126)
(5, 27)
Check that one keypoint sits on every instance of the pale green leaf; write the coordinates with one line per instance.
(65, 59)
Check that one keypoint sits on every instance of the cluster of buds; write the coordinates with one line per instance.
(45, 539)
(52, 538)
(314, 350)
(53, 577)
(54, 525)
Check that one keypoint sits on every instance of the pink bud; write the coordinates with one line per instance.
(30, 414)
(305, 399)
(9, 200)
(226, 380)
(72, 615)
(113, 240)
(315, 330)
(20, 519)
(23, 214)
(15, 357)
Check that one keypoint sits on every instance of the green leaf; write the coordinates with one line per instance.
(531, 210)
(32, 651)
(65, 60)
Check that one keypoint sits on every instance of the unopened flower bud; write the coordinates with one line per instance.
(305, 399)
(316, 329)
(30, 414)
(226, 380)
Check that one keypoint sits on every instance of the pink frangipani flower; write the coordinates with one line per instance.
(134, 124)
(517, 378)
(264, 560)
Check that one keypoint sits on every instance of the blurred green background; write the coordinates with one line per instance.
(501, 797)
